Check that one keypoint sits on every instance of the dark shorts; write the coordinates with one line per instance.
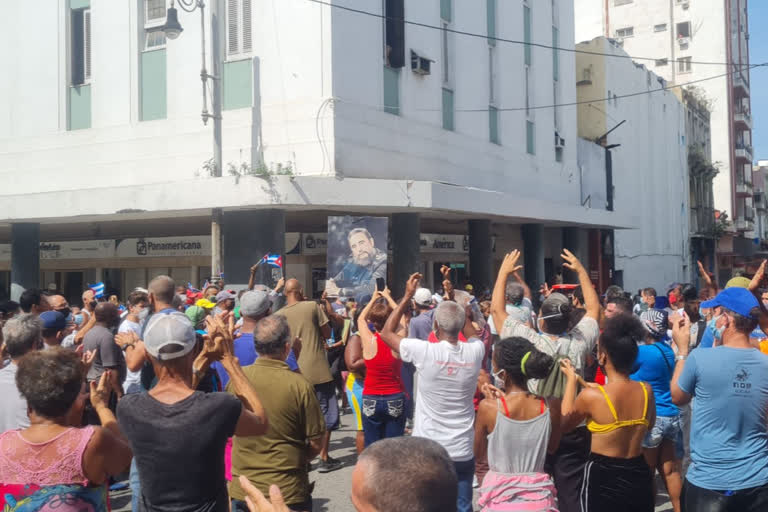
(242, 506)
(612, 484)
(326, 395)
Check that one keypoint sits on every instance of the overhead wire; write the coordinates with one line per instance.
(514, 41)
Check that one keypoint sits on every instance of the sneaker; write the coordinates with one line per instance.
(328, 465)
(475, 483)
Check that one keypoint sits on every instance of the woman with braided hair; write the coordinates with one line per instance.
(516, 430)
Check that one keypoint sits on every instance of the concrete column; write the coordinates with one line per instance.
(571, 241)
(480, 254)
(405, 229)
(25, 258)
(533, 254)
(246, 237)
(194, 275)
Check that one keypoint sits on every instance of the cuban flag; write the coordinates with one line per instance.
(273, 259)
(97, 289)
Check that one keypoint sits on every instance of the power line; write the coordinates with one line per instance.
(573, 103)
(512, 41)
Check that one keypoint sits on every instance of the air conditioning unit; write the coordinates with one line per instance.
(685, 5)
(420, 65)
(559, 141)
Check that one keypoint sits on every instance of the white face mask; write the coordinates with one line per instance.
(497, 380)
(143, 314)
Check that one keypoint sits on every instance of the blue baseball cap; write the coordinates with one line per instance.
(53, 320)
(738, 300)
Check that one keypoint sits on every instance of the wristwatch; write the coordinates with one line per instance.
(681, 357)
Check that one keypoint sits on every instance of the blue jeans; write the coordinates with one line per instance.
(135, 484)
(406, 374)
(383, 416)
(465, 471)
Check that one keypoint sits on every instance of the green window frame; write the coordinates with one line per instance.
(448, 121)
(527, 34)
(493, 125)
(392, 90)
(530, 142)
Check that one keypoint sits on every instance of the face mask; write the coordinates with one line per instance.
(143, 314)
(497, 380)
(78, 319)
(718, 332)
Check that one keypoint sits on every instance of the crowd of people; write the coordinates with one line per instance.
(218, 400)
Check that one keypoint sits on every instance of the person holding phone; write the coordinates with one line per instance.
(362, 271)
(383, 392)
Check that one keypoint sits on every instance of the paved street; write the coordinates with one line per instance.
(332, 489)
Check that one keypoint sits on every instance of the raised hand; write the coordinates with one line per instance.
(100, 392)
(571, 262)
(758, 277)
(509, 265)
(445, 270)
(254, 268)
(681, 332)
(87, 359)
(412, 285)
(126, 339)
(491, 391)
(258, 503)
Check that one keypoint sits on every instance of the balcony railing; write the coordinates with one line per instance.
(744, 151)
(744, 224)
(740, 83)
(742, 117)
(743, 188)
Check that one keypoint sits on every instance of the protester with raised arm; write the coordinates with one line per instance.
(178, 434)
(447, 374)
(556, 340)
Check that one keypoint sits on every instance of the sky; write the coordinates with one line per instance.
(758, 53)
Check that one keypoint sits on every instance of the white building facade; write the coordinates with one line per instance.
(101, 137)
(645, 137)
(701, 41)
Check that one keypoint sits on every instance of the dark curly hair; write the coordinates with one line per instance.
(619, 341)
(508, 355)
(50, 380)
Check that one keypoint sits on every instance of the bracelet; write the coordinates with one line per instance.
(681, 357)
(128, 345)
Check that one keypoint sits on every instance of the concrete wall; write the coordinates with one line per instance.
(650, 169)
(708, 43)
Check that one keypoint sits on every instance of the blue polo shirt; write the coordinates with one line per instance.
(729, 432)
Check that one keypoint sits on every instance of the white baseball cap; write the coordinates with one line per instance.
(423, 297)
(169, 336)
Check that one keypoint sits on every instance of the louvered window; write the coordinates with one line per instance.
(239, 33)
(81, 46)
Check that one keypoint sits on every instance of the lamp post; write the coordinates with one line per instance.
(172, 30)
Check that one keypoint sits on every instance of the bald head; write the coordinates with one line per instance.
(293, 287)
(162, 289)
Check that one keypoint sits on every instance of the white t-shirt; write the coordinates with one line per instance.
(132, 382)
(447, 376)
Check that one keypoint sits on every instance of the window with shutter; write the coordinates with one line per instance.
(233, 17)
(239, 33)
(154, 12)
(87, 44)
(80, 29)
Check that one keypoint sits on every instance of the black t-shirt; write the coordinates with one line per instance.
(179, 449)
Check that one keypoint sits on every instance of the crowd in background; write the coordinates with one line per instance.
(211, 399)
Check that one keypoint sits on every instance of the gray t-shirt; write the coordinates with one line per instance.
(108, 353)
(13, 407)
(421, 326)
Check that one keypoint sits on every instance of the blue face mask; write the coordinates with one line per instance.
(718, 331)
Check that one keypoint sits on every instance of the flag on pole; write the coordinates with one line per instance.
(97, 289)
(274, 260)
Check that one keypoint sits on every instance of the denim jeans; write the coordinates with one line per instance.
(133, 479)
(383, 416)
(465, 471)
(696, 499)
(666, 427)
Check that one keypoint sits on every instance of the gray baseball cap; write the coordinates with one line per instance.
(169, 336)
(255, 303)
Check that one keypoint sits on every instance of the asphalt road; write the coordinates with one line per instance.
(332, 489)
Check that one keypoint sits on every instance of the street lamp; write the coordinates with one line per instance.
(172, 30)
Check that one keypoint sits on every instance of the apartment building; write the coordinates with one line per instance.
(391, 111)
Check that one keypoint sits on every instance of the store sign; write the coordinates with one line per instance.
(314, 243)
(444, 243)
(89, 249)
(173, 246)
